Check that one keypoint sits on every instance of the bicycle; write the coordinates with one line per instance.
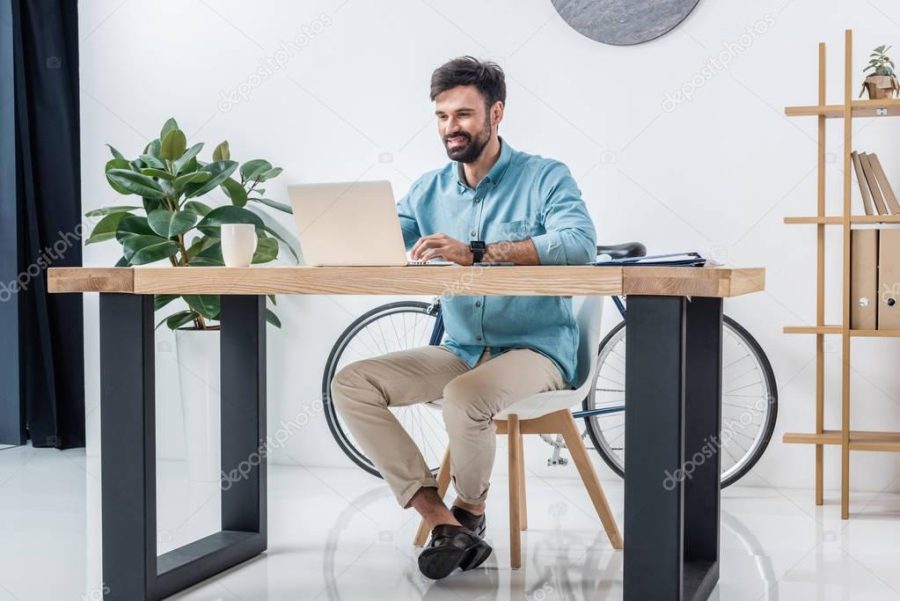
(747, 374)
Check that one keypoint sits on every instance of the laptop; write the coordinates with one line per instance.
(350, 223)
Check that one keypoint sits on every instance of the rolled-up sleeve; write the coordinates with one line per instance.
(570, 236)
(408, 223)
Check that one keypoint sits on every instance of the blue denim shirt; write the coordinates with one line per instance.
(522, 196)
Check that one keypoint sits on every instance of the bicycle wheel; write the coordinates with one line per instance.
(392, 327)
(749, 401)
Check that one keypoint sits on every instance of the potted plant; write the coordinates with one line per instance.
(172, 224)
(881, 83)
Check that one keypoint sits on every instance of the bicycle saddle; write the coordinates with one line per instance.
(623, 251)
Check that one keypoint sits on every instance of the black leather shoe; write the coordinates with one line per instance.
(452, 547)
(475, 523)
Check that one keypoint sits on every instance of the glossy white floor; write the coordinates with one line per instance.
(336, 534)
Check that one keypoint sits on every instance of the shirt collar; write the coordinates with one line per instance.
(496, 172)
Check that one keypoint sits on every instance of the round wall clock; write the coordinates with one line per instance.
(623, 22)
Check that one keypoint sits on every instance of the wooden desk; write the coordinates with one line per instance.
(673, 391)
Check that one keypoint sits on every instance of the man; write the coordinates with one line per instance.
(490, 204)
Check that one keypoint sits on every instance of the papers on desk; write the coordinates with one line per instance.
(688, 259)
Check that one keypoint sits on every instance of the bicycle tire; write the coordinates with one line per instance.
(767, 429)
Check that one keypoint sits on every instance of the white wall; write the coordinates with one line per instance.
(717, 172)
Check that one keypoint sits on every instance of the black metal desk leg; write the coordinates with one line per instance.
(673, 390)
(702, 446)
(132, 571)
(127, 446)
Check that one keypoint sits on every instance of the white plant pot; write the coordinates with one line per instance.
(199, 374)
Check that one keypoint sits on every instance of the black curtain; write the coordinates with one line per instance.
(48, 219)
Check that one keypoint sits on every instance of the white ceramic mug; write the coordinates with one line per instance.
(238, 244)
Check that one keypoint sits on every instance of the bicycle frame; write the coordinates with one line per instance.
(437, 334)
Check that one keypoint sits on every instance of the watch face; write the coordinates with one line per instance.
(623, 22)
(477, 245)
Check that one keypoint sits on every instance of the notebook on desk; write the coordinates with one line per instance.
(688, 259)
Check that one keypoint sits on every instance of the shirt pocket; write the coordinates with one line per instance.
(519, 229)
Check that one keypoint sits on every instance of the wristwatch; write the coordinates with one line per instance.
(478, 248)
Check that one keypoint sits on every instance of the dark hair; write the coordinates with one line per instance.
(469, 71)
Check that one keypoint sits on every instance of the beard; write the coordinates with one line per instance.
(472, 149)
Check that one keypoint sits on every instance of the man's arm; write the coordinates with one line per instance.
(571, 238)
(521, 252)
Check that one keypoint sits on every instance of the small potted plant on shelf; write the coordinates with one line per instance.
(172, 224)
(881, 83)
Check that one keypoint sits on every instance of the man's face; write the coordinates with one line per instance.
(464, 124)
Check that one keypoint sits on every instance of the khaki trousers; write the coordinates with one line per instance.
(363, 391)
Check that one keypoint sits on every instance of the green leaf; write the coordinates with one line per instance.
(133, 225)
(274, 204)
(272, 298)
(169, 224)
(211, 253)
(222, 152)
(184, 161)
(107, 210)
(122, 262)
(206, 305)
(169, 125)
(266, 250)
(142, 249)
(204, 243)
(197, 177)
(161, 300)
(211, 224)
(173, 145)
(151, 204)
(117, 164)
(235, 192)
(219, 172)
(176, 320)
(279, 232)
(135, 183)
(252, 169)
(206, 262)
(153, 148)
(157, 173)
(272, 318)
(286, 243)
(270, 174)
(152, 161)
(116, 154)
(106, 228)
(195, 206)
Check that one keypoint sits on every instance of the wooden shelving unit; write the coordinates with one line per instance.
(847, 439)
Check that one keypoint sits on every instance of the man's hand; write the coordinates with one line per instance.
(441, 246)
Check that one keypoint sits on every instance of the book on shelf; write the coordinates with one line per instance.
(880, 207)
(889, 199)
(863, 184)
(877, 193)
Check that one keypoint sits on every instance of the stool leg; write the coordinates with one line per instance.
(443, 479)
(523, 516)
(515, 490)
(589, 476)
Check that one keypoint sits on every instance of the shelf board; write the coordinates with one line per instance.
(835, 329)
(812, 330)
(838, 220)
(860, 440)
(858, 108)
